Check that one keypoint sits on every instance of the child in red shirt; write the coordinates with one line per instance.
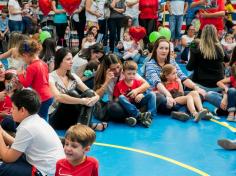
(36, 75)
(229, 94)
(173, 84)
(125, 93)
(78, 141)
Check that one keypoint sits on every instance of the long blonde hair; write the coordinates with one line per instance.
(209, 43)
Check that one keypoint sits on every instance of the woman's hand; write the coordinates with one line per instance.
(170, 102)
(90, 101)
(201, 91)
(109, 76)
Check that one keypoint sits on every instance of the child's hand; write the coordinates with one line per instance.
(133, 93)
(2, 95)
(21, 71)
(5, 113)
(138, 98)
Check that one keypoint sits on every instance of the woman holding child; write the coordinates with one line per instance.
(161, 57)
(107, 76)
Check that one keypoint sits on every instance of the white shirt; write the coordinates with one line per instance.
(132, 11)
(101, 8)
(40, 144)
(56, 80)
(177, 7)
(16, 6)
(188, 40)
(89, 16)
(79, 65)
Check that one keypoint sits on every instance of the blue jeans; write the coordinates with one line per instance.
(149, 99)
(43, 111)
(214, 98)
(231, 99)
(135, 21)
(176, 22)
(15, 26)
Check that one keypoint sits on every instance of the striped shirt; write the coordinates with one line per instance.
(153, 70)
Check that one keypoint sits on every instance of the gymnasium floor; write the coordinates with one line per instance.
(168, 148)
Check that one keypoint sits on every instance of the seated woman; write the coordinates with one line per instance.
(108, 74)
(70, 106)
(207, 59)
(165, 101)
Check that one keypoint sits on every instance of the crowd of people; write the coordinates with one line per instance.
(47, 84)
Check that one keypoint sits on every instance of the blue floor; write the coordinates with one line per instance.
(168, 148)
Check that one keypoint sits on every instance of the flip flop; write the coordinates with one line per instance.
(95, 126)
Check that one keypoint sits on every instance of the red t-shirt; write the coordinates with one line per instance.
(172, 86)
(148, 9)
(37, 78)
(88, 168)
(122, 88)
(5, 105)
(232, 81)
(217, 22)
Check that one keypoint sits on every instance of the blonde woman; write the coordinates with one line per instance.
(206, 59)
(14, 60)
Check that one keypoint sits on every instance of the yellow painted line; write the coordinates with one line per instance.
(224, 124)
(155, 156)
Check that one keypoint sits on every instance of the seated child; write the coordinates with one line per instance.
(131, 48)
(125, 93)
(89, 41)
(229, 94)
(91, 68)
(33, 149)
(78, 141)
(173, 84)
(228, 43)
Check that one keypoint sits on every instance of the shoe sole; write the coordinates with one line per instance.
(131, 122)
(182, 117)
(146, 120)
(226, 144)
(201, 115)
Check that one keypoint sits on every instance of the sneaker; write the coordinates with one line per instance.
(180, 116)
(145, 119)
(208, 116)
(131, 121)
(230, 118)
(227, 144)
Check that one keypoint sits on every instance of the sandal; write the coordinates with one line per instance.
(230, 117)
(99, 126)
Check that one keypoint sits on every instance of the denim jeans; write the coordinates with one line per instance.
(214, 98)
(231, 99)
(43, 111)
(15, 26)
(176, 22)
(149, 99)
